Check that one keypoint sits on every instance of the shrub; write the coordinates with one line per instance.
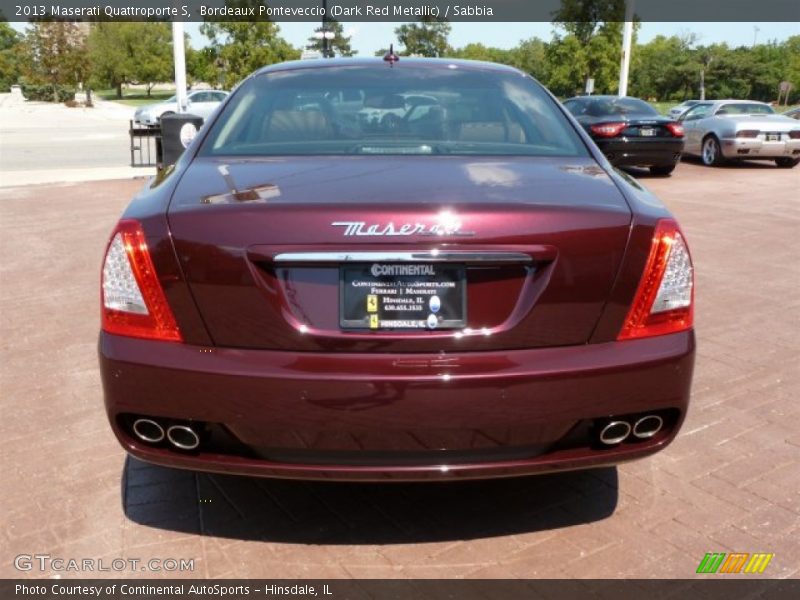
(44, 93)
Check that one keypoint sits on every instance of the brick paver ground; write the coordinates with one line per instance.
(730, 482)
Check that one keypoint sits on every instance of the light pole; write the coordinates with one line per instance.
(179, 56)
(627, 37)
(326, 35)
(706, 62)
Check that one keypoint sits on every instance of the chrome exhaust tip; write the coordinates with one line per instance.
(615, 432)
(183, 437)
(648, 426)
(148, 430)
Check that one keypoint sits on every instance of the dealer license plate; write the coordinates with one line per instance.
(380, 296)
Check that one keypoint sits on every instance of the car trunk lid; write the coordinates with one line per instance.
(263, 244)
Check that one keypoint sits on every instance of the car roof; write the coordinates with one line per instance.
(734, 101)
(404, 61)
(603, 97)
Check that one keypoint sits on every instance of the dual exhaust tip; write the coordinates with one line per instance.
(617, 431)
(183, 437)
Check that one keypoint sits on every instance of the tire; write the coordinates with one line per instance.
(711, 153)
(662, 170)
(787, 163)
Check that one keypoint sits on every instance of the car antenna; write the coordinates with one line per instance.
(390, 56)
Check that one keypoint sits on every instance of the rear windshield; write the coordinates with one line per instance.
(357, 110)
(606, 107)
(745, 108)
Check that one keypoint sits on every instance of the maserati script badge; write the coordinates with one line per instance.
(446, 227)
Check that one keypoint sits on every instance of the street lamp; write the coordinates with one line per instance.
(326, 35)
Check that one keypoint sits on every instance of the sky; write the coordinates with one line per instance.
(369, 37)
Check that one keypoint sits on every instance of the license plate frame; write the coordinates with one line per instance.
(647, 131)
(400, 296)
(772, 137)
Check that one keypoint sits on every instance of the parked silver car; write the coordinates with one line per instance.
(200, 102)
(722, 130)
(678, 110)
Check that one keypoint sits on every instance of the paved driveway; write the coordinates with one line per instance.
(42, 142)
(729, 483)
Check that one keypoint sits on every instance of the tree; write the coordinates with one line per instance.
(666, 68)
(111, 54)
(10, 50)
(131, 52)
(203, 65)
(55, 54)
(426, 38)
(241, 48)
(154, 51)
(339, 44)
(477, 51)
(531, 56)
(590, 43)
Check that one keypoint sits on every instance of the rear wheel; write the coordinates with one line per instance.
(662, 170)
(787, 163)
(712, 153)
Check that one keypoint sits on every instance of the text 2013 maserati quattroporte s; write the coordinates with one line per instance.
(395, 269)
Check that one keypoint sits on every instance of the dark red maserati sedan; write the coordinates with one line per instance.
(409, 269)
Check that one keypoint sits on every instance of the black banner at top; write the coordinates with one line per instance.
(397, 10)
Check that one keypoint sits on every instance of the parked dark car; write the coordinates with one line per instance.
(465, 291)
(630, 132)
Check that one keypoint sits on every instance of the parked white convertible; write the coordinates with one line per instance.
(722, 130)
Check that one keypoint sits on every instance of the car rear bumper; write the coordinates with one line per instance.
(396, 417)
(757, 148)
(640, 152)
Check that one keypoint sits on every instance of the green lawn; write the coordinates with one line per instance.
(133, 98)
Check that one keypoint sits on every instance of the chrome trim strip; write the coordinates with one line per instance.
(420, 256)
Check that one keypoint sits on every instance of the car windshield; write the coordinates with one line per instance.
(357, 110)
(606, 107)
(745, 108)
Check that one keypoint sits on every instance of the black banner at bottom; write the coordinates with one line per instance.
(373, 589)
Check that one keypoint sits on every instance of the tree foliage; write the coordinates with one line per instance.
(135, 52)
(427, 37)
(340, 44)
(239, 48)
(55, 54)
(11, 50)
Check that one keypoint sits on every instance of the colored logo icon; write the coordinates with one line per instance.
(372, 303)
(373, 321)
(435, 304)
(736, 562)
(432, 322)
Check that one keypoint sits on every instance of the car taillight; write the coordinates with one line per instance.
(747, 133)
(664, 301)
(794, 134)
(608, 130)
(133, 303)
(676, 129)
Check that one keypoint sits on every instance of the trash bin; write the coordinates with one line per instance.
(177, 132)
